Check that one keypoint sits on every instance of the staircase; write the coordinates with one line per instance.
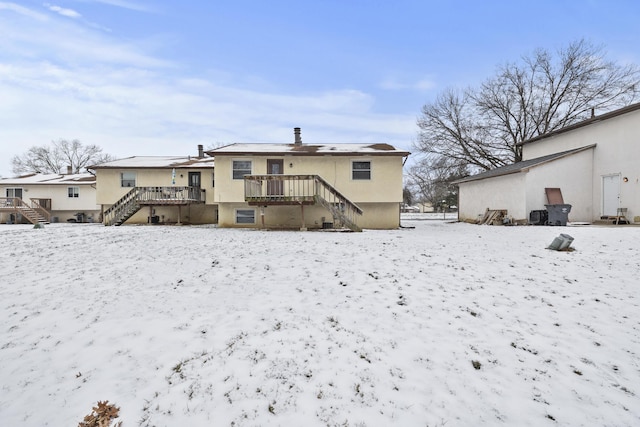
(343, 210)
(123, 209)
(297, 190)
(35, 213)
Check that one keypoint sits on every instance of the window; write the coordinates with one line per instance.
(245, 216)
(241, 168)
(128, 179)
(361, 170)
(74, 192)
(14, 192)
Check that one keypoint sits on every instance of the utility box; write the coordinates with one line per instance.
(558, 214)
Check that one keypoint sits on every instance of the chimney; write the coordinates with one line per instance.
(69, 170)
(298, 139)
(200, 151)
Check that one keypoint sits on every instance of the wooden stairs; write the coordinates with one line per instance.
(35, 213)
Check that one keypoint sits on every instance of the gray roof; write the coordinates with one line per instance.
(50, 179)
(157, 162)
(308, 149)
(521, 166)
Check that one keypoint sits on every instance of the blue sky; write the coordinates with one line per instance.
(141, 77)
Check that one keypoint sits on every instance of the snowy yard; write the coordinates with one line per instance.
(441, 324)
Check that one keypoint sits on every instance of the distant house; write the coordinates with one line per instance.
(594, 163)
(44, 198)
(305, 186)
(157, 189)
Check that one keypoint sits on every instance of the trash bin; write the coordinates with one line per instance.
(538, 217)
(558, 214)
(561, 243)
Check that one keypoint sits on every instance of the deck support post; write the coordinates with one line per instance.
(303, 227)
(179, 215)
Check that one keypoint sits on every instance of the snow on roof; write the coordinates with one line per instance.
(158, 162)
(521, 166)
(309, 149)
(50, 178)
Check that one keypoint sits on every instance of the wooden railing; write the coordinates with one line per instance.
(36, 206)
(131, 202)
(35, 214)
(301, 190)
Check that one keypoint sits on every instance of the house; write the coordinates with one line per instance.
(44, 198)
(303, 186)
(156, 189)
(594, 163)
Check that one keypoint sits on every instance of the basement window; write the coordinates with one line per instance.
(74, 192)
(241, 168)
(245, 216)
(361, 170)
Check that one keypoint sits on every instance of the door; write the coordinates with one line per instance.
(194, 179)
(14, 192)
(275, 187)
(194, 185)
(610, 195)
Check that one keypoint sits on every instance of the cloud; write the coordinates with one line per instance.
(421, 85)
(22, 11)
(137, 6)
(69, 13)
(81, 83)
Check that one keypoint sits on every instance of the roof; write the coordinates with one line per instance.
(595, 119)
(50, 179)
(522, 166)
(309, 149)
(157, 162)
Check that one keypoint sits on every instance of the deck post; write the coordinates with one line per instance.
(150, 214)
(179, 215)
(303, 227)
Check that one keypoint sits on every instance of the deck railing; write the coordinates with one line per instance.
(301, 190)
(35, 214)
(131, 202)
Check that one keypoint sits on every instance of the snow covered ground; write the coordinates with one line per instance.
(434, 324)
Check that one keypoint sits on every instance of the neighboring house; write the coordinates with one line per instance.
(156, 189)
(309, 185)
(44, 198)
(594, 163)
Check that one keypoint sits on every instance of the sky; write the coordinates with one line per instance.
(141, 77)
(413, 327)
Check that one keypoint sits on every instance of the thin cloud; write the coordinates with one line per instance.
(137, 6)
(421, 85)
(22, 11)
(69, 13)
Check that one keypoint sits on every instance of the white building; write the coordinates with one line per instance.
(595, 164)
(48, 198)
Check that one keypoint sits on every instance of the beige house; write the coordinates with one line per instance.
(309, 185)
(44, 198)
(156, 189)
(594, 163)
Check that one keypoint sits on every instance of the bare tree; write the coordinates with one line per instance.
(58, 157)
(431, 179)
(542, 93)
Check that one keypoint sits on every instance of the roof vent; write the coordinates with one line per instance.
(297, 138)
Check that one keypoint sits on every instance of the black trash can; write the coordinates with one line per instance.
(538, 217)
(558, 214)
